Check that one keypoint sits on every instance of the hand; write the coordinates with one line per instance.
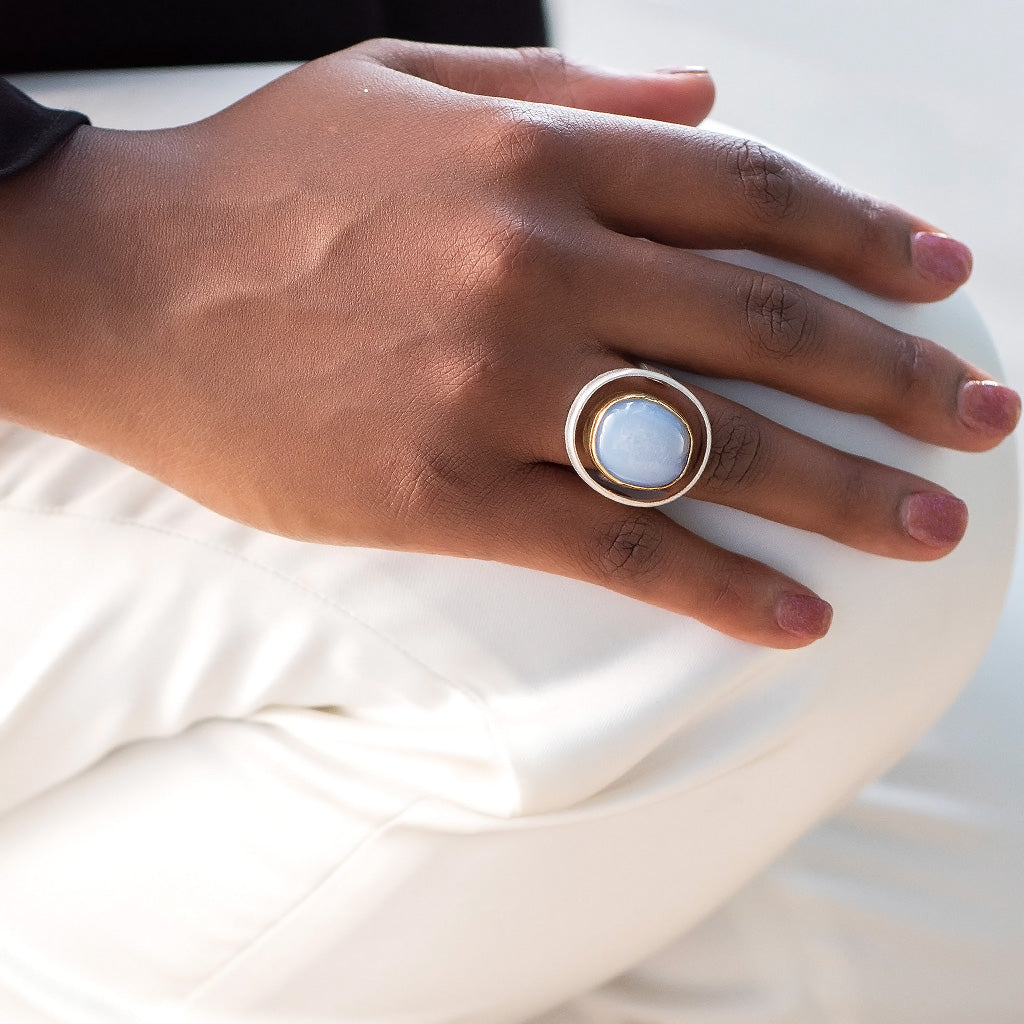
(355, 307)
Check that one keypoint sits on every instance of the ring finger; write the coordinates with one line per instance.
(767, 470)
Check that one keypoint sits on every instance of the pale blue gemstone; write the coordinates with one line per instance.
(641, 443)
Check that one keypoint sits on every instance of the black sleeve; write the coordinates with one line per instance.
(53, 35)
(29, 131)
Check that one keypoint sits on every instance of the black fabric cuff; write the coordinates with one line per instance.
(29, 131)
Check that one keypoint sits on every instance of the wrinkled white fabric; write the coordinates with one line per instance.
(248, 779)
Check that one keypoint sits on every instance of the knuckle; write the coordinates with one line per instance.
(729, 594)
(736, 453)
(909, 371)
(778, 317)
(766, 180)
(442, 481)
(525, 143)
(508, 255)
(544, 66)
(630, 550)
(382, 48)
(425, 486)
(876, 231)
(856, 497)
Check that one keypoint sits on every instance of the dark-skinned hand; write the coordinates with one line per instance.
(355, 306)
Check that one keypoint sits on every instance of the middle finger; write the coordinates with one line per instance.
(653, 302)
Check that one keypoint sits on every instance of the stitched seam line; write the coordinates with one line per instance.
(282, 919)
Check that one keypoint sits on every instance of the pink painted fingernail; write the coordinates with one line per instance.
(941, 258)
(988, 405)
(689, 69)
(935, 519)
(803, 615)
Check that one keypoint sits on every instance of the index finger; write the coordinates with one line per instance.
(701, 189)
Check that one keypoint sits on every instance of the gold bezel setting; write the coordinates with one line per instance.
(603, 469)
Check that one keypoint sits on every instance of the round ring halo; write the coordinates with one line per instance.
(638, 436)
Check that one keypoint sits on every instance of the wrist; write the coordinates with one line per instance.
(62, 329)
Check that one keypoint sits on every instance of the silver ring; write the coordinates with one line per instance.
(638, 436)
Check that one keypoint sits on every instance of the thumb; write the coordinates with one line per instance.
(539, 75)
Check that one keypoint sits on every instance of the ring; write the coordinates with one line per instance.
(638, 436)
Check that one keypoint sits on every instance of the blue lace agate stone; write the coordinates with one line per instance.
(641, 443)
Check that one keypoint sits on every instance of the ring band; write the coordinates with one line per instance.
(638, 436)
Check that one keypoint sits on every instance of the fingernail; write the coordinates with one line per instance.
(803, 615)
(941, 258)
(988, 405)
(689, 69)
(935, 519)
